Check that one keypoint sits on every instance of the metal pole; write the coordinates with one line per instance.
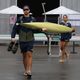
(16, 2)
(49, 44)
(73, 48)
(73, 52)
(48, 35)
(61, 2)
(60, 16)
(59, 20)
(44, 12)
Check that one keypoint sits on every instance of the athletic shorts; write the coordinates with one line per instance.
(26, 46)
(67, 40)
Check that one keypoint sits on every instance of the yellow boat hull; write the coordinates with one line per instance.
(51, 27)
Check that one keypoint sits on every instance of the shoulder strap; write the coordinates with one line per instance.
(32, 19)
(21, 17)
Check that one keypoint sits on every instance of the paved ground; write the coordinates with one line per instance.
(44, 66)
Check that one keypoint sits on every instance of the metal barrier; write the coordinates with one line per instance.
(43, 37)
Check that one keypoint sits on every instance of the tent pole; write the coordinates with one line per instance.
(61, 2)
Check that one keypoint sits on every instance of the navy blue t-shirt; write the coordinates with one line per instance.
(66, 36)
(28, 33)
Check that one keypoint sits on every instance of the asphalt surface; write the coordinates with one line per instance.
(44, 67)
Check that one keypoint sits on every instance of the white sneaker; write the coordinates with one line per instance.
(25, 73)
(61, 61)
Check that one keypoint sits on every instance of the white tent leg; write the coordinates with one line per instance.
(49, 47)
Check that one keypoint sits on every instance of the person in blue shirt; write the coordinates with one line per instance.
(26, 39)
(65, 37)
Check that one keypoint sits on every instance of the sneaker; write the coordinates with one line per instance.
(61, 61)
(10, 46)
(27, 75)
(15, 48)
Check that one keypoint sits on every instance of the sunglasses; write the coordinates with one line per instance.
(25, 9)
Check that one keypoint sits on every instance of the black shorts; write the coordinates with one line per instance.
(66, 40)
(26, 46)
